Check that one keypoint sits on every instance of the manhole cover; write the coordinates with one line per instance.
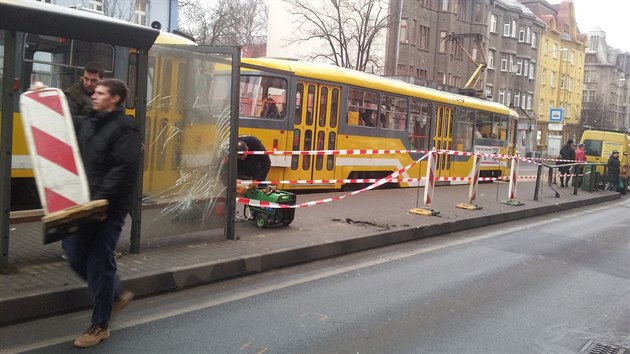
(593, 347)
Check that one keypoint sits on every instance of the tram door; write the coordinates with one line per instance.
(315, 128)
(443, 138)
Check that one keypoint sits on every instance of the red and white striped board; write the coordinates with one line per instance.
(430, 184)
(59, 174)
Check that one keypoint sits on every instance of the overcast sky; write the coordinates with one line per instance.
(610, 15)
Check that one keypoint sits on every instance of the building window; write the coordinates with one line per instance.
(414, 32)
(96, 5)
(544, 76)
(519, 66)
(443, 44)
(445, 6)
(552, 79)
(424, 37)
(525, 67)
(502, 96)
(517, 99)
(506, 28)
(477, 15)
(528, 36)
(534, 40)
(554, 51)
(513, 28)
(572, 57)
(441, 78)
(421, 74)
(531, 72)
(491, 59)
(489, 92)
(504, 62)
(562, 78)
(521, 34)
(529, 102)
(140, 14)
(509, 98)
(568, 111)
(570, 85)
(493, 23)
(403, 31)
(565, 55)
(590, 76)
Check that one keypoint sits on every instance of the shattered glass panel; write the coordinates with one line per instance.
(186, 138)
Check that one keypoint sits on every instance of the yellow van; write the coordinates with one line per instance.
(600, 145)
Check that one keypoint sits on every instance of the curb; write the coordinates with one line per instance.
(63, 299)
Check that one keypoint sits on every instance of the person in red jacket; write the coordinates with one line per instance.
(580, 156)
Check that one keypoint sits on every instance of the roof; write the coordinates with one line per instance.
(42, 18)
(332, 73)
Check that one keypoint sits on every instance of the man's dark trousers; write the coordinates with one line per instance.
(91, 256)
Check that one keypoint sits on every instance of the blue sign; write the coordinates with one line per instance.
(556, 115)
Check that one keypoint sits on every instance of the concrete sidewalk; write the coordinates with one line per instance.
(41, 283)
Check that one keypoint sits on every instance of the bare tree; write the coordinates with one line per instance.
(226, 22)
(348, 28)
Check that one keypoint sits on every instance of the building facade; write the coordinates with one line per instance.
(605, 95)
(143, 12)
(514, 34)
(561, 75)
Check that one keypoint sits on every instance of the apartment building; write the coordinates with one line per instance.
(514, 34)
(561, 75)
(605, 96)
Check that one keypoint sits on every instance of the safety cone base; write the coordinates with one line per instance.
(513, 202)
(468, 206)
(424, 211)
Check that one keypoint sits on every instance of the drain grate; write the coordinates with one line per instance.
(593, 347)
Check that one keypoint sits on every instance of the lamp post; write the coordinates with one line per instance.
(553, 141)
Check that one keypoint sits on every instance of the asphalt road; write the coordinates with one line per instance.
(542, 285)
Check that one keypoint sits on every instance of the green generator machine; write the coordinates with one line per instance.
(271, 216)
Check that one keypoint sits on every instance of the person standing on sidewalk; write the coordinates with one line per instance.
(566, 153)
(613, 169)
(110, 148)
(580, 156)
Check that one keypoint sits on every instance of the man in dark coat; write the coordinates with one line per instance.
(79, 95)
(110, 146)
(255, 167)
(566, 153)
(613, 169)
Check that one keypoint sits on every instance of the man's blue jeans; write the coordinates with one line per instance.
(91, 256)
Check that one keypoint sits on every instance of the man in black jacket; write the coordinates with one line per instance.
(110, 148)
(566, 153)
(251, 166)
(79, 95)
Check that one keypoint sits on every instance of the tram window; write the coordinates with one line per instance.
(165, 91)
(393, 113)
(323, 101)
(295, 147)
(464, 130)
(60, 61)
(334, 108)
(310, 98)
(419, 124)
(299, 108)
(263, 97)
(365, 104)
(319, 159)
(492, 128)
(330, 162)
(308, 143)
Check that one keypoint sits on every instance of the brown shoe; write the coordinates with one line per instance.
(91, 337)
(123, 300)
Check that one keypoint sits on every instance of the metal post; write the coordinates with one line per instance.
(141, 119)
(538, 181)
(6, 141)
(231, 190)
(576, 181)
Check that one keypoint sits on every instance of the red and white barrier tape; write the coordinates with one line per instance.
(380, 182)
